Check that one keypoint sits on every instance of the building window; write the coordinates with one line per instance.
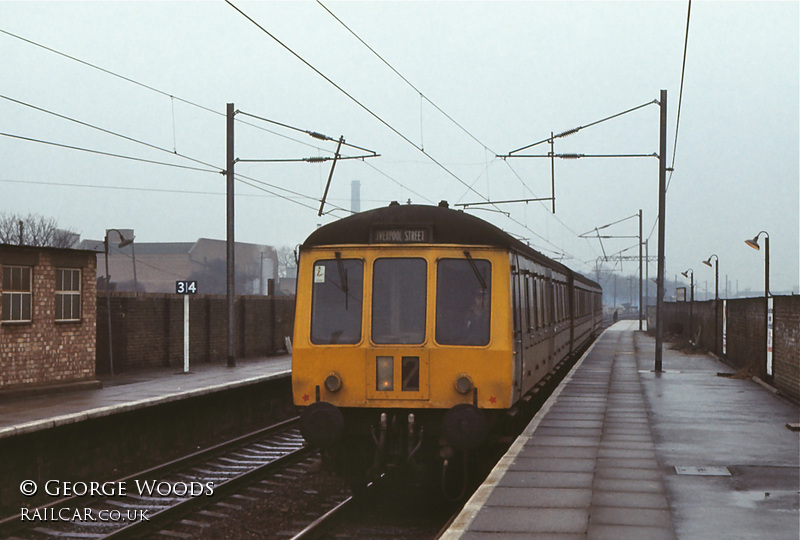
(17, 297)
(68, 294)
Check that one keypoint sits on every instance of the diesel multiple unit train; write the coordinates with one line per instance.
(418, 332)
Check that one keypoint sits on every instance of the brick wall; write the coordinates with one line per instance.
(786, 344)
(43, 351)
(147, 329)
(746, 328)
(745, 335)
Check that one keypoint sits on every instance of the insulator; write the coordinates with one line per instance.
(568, 132)
(316, 159)
(319, 136)
(570, 156)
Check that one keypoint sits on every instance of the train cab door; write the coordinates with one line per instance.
(517, 302)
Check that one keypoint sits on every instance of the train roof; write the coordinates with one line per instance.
(436, 224)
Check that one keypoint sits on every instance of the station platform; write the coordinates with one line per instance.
(125, 392)
(621, 452)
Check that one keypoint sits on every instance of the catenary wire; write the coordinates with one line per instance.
(154, 190)
(153, 89)
(103, 130)
(222, 114)
(680, 100)
(381, 120)
(680, 93)
(352, 98)
(188, 102)
(109, 154)
(136, 141)
(421, 95)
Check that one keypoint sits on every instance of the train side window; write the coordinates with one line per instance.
(539, 302)
(399, 296)
(463, 301)
(336, 301)
(557, 299)
(530, 297)
(526, 322)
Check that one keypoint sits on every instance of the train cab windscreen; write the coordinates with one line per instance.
(463, 301)
(398, 300)
(336, 303)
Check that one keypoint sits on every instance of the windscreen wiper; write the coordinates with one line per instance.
(342, 277)
(475, 270)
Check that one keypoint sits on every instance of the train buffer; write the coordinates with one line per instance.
(620, 451)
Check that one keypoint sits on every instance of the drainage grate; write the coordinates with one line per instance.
(703, 471)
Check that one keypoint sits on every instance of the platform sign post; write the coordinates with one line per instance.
(186, 288)
(724, 328)
(770, 314)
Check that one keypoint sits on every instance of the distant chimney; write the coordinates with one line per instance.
(355, 196)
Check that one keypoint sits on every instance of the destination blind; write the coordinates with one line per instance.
(401, 235)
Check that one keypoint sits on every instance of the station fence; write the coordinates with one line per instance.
(147, 329)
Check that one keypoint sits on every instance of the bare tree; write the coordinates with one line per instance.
(287, 265)
(34, 230)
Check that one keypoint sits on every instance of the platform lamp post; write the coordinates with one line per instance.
(707, 262)
(753, 243)
(122, 243)
(690, 274)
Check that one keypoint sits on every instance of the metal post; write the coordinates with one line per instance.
(135, 281)
(647, 276)
(766, 265)
(186, 333)
(552, 172)
(716, 305)
(662, 195)
(691, 307)
(230, 267)
(108, 309)
(640, 270)
(767, 362)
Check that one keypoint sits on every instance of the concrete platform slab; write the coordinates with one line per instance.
(621, 483)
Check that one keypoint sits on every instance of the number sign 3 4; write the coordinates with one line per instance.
(186, 287)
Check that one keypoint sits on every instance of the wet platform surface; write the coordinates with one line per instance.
(124, 392)
(621, 452)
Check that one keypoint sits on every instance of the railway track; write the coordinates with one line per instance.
(382, 513)
(143, 504)
(387, 514)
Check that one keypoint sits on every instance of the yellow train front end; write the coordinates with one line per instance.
(401, 350)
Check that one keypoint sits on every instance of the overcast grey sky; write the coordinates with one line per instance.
(508, 73)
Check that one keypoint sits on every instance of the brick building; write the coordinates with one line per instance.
(48, 316)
